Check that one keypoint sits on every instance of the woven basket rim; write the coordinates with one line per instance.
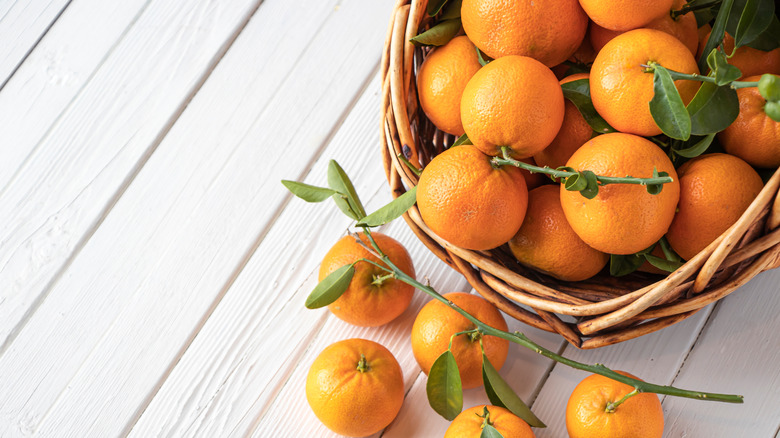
(606, 311)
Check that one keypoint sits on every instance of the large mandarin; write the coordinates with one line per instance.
(622, 218)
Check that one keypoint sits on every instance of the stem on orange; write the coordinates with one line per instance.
(650, 68)
(612, 406)
(363, 364)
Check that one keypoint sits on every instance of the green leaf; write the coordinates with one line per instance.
(578, 92)
(592, 188)
(393, 210)
(331, 287)
(769, 39)
(713, 109)
(434, 6)
(576, 183)
(308, 192)
(483, 59)
(620, 265)
(452, 10)
(662, 264)
(349, 203)
(718, 31)
(668, 251)
(667, 107)
(725, 73)
(755, 19)
(655, 189)
(438, 35)
(445, 392)
(501, 394)
(463, 139)
(490, 432)
(698, 148)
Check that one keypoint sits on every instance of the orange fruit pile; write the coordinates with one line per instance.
(513, 108)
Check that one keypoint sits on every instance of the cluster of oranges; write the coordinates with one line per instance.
(513, 106)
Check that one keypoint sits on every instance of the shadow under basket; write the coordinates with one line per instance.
(602, 310)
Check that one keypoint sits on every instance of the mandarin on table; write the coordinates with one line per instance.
(513, 101)
(441, 80)
(469, 423)
(437, 322)
(547, 243)
(355, 387)
(620, 87)
(622, 218)
(753, 136)
(470, 203)
(369, 301)
(640, 416)
(715, 189)
(625, 14)
(549, 31)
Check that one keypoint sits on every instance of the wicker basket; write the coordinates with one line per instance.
(589, 314)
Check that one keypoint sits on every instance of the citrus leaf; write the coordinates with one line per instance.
(717, 33)
(576, 183)
(713, 109)
(592, 188)
(452, 10)
(755, 19)
(725, 73)
(578, 92)
(698, 148)
(308, 192)
(490, 432)
(667, 107)
(501, 394)
(445, 392)
(463, 139)
(434, 6)
(439, 34)
(349, 202)
(331, 287)
(483, 59)
(393, 210)
(620, 265)
(662, 264)
(769, 39)
(668, 251)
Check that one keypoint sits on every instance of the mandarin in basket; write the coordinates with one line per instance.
(753, 136)
(622, 218)
(587, 416)
(621, 88)
(513, 101)
(437, 322)
(470, 203)
(682, 27)
(355, 387)
(471, 422)
(574, 132)
(715, 189)
(441, 80)
(371, 299)
(549, 31)
(547, 243)
(625, 14)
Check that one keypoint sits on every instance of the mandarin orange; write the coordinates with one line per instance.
(471, 422)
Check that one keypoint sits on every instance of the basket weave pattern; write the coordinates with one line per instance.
(589, 314)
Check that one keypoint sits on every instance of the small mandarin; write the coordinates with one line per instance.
(625, 14)
(469, 423)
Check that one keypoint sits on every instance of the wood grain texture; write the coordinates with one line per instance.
(117, 325)
(737, 353)
(76, 172)
(22, 24)
(654, 358)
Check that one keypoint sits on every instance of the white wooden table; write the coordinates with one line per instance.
(153, 269)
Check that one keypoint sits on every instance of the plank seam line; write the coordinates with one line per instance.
(704, 326)
(35, 44)
(546, 376)
(73, 100)
(406, 393)
(247, 257)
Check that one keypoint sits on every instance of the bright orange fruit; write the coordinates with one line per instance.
(469, 423)
(625, 14)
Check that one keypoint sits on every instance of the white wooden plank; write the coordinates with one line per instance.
(54, 73)
(737, 353)
(655, 358)
(181, 232)
(72, 174)
(22, 24)
(524, 371)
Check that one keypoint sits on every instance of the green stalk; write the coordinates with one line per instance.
(697, 77)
